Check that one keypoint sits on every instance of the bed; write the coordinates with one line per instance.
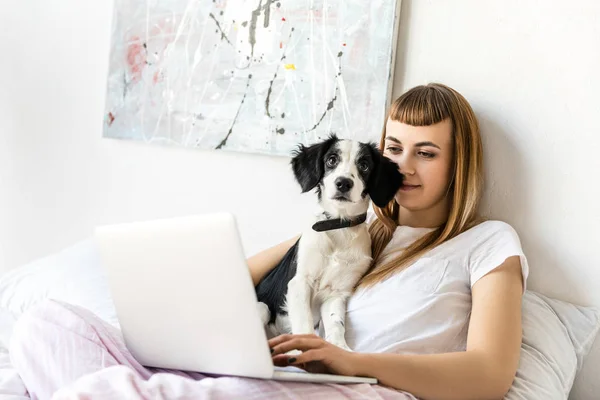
(558, 356)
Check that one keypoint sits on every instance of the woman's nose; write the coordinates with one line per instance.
(406, 165)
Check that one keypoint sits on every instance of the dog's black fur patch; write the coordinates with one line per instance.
(308, 163)
(273, 288)
(385, 178)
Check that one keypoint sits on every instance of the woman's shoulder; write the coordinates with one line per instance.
(492, 227)
(482, 247)
(485, 234)
(489, 234)
(492, 242)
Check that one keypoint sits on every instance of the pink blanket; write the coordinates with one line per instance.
(66, 352)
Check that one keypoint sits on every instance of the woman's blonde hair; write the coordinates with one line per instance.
(424, 106)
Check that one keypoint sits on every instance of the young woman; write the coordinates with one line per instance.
(437, 316)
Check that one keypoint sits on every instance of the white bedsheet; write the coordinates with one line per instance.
(11, 385)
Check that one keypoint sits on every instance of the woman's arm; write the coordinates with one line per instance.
(484, 371)
(262, 263)
(487, 368)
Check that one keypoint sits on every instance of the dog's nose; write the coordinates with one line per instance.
(344, 184)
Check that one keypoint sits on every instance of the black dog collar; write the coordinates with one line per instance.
(338, 223)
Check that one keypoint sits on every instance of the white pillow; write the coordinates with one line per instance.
(556, 337)
(73, 275)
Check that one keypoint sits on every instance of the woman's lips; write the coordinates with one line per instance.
(407, 188)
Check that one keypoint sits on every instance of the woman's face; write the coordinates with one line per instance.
(424, 155)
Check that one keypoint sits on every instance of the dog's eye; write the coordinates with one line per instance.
(332, 161)
(363, 166)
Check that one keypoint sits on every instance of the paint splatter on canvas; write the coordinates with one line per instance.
(249, 75)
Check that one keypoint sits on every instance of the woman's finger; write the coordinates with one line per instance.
(302, 344)
(306, 357)
(316, 367)
(286, 337)
(282, 360)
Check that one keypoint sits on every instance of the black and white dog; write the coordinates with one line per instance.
(318, 274)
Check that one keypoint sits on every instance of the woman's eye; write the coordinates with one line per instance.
(332, 161)
(426, 154)
(394, 150)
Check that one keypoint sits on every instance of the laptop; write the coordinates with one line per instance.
(185, 300)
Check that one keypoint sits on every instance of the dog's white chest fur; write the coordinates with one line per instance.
(332, 262)
(329, 266)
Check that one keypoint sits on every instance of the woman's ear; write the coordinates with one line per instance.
(308, 163)
(385, 179)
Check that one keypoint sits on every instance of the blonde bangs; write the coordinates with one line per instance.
(420, 106)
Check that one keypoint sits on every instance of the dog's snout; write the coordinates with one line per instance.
(344, 184)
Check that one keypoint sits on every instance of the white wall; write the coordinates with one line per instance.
(529, 68)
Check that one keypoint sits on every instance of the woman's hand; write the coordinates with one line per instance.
(318, 355)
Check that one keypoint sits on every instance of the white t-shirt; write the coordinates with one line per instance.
(425, 308)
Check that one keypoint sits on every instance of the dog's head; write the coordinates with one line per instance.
(346, 174)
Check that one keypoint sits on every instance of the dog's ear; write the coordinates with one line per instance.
(308, 164)
(385, 179)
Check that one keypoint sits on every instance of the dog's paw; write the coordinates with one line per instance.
(345, 347)
(293, 353)
(341, 344)
(264, 313)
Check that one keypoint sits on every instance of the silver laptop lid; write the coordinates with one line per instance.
(184, 296)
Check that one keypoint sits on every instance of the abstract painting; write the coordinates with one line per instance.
(256, 76)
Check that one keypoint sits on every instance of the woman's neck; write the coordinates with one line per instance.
(427, 218)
